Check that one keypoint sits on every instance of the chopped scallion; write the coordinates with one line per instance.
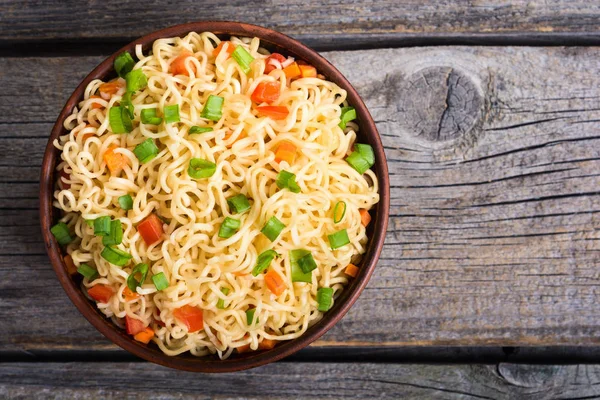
(133, 282)
(145, 151)
(287, 180)
(338, 239)
(88, 271)
(348, 114)
(221, 302)
(273, 228)
(102, 226)
(199, 129)
(229, 227)
(160, 281)
(171, 113)
(213, 108)
(263, 261)
(366, 151)
(61, 233)
(307, 263)
(136, 80)
(150, 116)
(127, 104)
(116, 256)
(324, 299)
(250, 316)
(200, 168)
(116, 234)
(126, 202)
(297, 274)
(120, 120)
(243, 58)
(358, 162)
(238, 203)
(339, 210)
(123, 64)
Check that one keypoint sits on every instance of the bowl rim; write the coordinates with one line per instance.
(252, 359)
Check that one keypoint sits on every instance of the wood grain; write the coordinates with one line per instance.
(493, 237)
(105, 380)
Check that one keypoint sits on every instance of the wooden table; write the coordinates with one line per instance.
(493, 250)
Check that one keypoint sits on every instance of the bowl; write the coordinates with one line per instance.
(274, 41)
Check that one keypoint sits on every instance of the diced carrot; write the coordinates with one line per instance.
(108, 89)
(71, 268)
(266, 92)
(144, 336)
(240, 273)
(134, 325)
(292, 71)
(274, 282)
(351, 270)
(130, 295)
(63, 177)
(243, 349)
(228, 135)
(273, 112)
(178, 67)
(95, 105)
(115, 161)
(267, 344)
(151, 229)
(286, 151)
(229, 49)
(101, 293)
(308, 71)
(365, 217)
(275, 56)
(191, 316)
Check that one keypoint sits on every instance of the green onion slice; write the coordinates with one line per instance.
(366, 151)
(348, 114)
(287, 180)
(88, 271)
(119, 119)
(145, 151)
(358, 162)
(324, 298)
(213, 108)
(297, 274)
(127, 104)
(61, 233)
(102, 226)
(238, 203)
(229, 227)
(116, 256)
(273, 228)
(221, 302)
(263, 261)
(250, 315)
(338, 239)
(126, 202)
(160, 281)
(150, 116)
(199, 129)
(171, 113)
(200, 168)
(339, 210)
(116, 234)
(307, 263)
(123, 64)
(243, 58)
(136, 80)
(132, 281)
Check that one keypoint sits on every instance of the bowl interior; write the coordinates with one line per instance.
(273, 41)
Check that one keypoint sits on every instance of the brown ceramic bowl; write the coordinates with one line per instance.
(273, 41)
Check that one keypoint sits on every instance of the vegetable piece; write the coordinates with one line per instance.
(292, 71)
(120, 120)
(263, 261)
(274, 112)
(64, 177)
(287, 180)
(338, 239)
(145, 151)
(171, 113)
(339, 211)
(200, 168)
(191, 317)
(286, 151)
(358, 162)
(238, 203)
(221, 302)
(127, 104)
(272, 61)
(213, 109)
(100, 293)
(228, 46)
(71, 268)
(250, 316)
(297, 274)
(115, 161)
(307, 71)
(151, 229)
(324, 299)
(229, 227)
(130, 295)
(275, 282)
(267, 344)
(61, 233)
(116, 256)
(126, 202)
(133, 281)
(178, 66)
(366, 151)
(266, 92)
(348, 114)
(273, 228)
(95, 105)
(307, 263)
(111, 88)
(365, 217)
(102, 226)
(115, 235)
(160, 281)
(243, 58)
(88, 272)
(144, 336)
(243, 349)
(351, 270)
(199, 129)
(133, 325)
(123, 64)
(149, 116)
(136, 80)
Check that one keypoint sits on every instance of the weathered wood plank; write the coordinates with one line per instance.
(493, 236)
(331, 22)
(84, 380)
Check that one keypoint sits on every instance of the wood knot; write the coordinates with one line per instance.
(438, 103)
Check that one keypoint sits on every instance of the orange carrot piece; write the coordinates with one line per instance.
(292, 71)
(307, 71)
(151, 229)
(101, 293)
(108, 89)
(243, 349)
(273, 112)
(95, 105)
(115, 161)
(178, 67)
(71, 268)
(266, 92)
(365, 217)
(351, 270)
(144, 336)
(267, 344)
(274, 282)
(191, 316)
(286, 151)
(229, 49)
(130, 295)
